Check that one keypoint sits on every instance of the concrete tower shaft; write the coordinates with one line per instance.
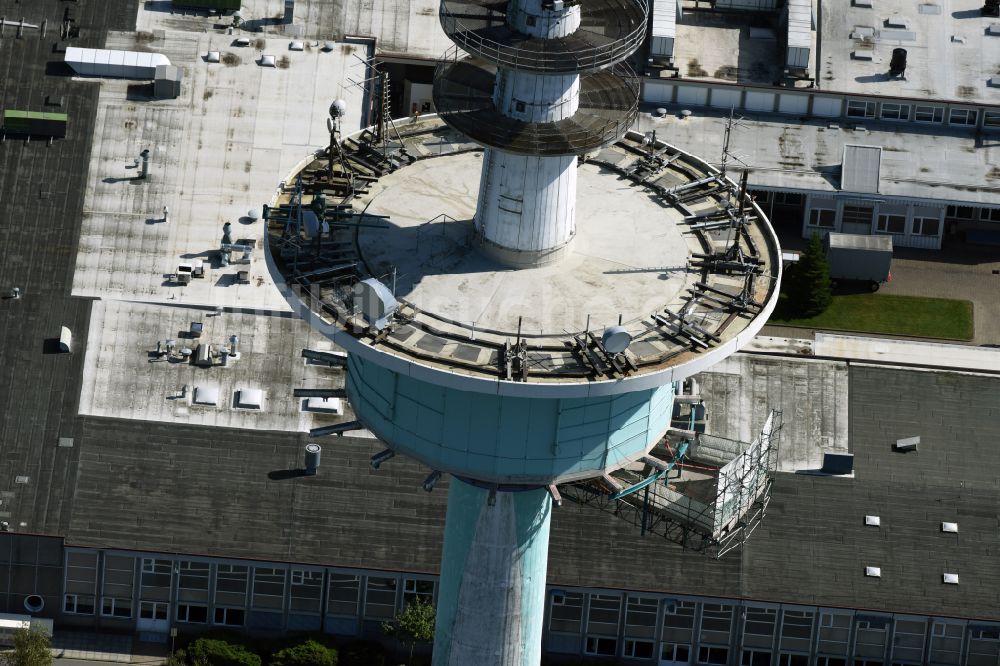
(526, 212)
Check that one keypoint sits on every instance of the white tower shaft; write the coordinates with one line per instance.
(526, 213)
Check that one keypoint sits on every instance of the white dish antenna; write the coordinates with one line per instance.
(616, 339)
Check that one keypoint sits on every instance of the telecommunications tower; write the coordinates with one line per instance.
(531, 336)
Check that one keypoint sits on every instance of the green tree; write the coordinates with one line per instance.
(31, 648)
(808, 283)
(309, 653)
(414, 624)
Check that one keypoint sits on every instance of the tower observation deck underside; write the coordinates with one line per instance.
(608, 106)
(657, 244)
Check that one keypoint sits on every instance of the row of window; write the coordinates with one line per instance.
(702, 633)
(969, 213)
(236, 586)
(826, 218)
(898, 111)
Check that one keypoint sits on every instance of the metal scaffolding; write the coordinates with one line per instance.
(710, 501)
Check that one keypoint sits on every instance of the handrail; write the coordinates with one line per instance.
(554, 59)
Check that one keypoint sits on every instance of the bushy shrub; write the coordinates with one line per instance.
(212, 652)
(362, 653)
(309, 653)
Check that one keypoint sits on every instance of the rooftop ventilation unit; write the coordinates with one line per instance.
(249, 398)
(950, 578)
(873, 521)
(951, 528)
(838, 463)
(206, 395)
(324, 405)
(873, 572)
(897, 66)
(313, 452)
(907, 444)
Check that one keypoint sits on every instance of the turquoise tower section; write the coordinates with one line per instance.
(507, 439)
(491, 600)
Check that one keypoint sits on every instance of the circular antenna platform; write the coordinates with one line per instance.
(616, 339)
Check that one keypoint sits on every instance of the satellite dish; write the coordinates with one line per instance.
(338, 108)
(616, 339)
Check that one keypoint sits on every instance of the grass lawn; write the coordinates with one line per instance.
(894, 315)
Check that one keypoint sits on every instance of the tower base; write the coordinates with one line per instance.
(491, 601)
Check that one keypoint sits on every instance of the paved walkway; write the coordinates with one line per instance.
(883, 350)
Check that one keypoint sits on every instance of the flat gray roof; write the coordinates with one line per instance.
(796, 154)
(949, 54)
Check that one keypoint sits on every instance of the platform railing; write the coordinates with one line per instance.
(561, 57)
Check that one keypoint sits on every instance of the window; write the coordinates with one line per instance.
(716, 618)
(960, 212)
(231, 617)
(713, 655)
(380, 598)
(112, 607)
(150, 610)
(834, 633)
(268, 587)
(679, 615)
(785, 659)
(640, 614)
(231, 578)
(81, 604)
(796, 624)
(788, 199)
(891, 224)
(860, 109)
(928, 114)
(858, 214)
(990, 214)
(991, 119)
(193, 575)
(926, 226)
(675, 652)
(566, 612)
(414, 589)
(193, 613)
(893, 111)
(306, 590)
(756, 658)
(156, 573)
(81, 573)
(344, 592)
(605, 610)
(760, 621)
(963, 117)
(831, 661)
(638, 649)
(599, 645)
(822, 217)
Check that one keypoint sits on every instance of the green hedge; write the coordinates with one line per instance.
(309, 653)
(214, 652)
